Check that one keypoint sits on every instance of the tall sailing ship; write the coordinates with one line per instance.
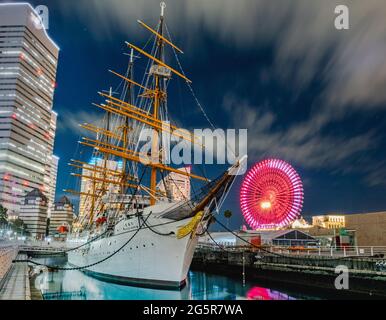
(140, 222)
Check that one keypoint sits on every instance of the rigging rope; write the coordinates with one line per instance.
(122, 233)
(189, 85)
(90, 265)
(215, 242)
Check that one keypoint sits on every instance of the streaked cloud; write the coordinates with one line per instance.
(349, 65)
(70, 121)
(302, 143)
(307, 45)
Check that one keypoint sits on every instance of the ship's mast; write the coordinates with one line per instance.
(112, 144)
(125, 138)
(158, 98)
(106, 158)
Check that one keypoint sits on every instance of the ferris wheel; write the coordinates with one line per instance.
(271, 195)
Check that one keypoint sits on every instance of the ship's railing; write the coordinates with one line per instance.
(339, 251)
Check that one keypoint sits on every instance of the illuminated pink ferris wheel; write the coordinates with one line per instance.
(271, 195)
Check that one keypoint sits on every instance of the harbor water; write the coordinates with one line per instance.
(75, 285)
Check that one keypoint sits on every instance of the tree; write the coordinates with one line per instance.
(19, 226)
(228, 215)
(3, 216)
(48, 227)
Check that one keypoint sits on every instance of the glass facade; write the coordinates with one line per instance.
(28, 64)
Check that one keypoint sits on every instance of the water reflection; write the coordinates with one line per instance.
(257, 293)
(200, 286)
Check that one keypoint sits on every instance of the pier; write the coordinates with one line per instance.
(309, 270)
(7, 255)
(37, 251)
(14, 278)
(14, 283)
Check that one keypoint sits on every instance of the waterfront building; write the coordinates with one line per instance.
(34, 213)
(370, 228)
(268, 238)
(176, 186)
(329, 221)
(222, 238)
(251, 236)
(62, 216)
(28, 64)
(287, 238)
(300, 223)
(364, 229)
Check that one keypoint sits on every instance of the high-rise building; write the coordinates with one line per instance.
(92, 185)
(33, 212)
(28, 64)
(176, 186)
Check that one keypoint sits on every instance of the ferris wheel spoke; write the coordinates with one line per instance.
(271, 194)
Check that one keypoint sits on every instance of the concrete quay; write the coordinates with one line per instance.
(7, 254)
(15, 284)
(310, 274)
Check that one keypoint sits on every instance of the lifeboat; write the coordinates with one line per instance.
(63, 229)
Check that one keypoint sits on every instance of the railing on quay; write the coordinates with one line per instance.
(62, 295)
(342, 251)
(7, 254)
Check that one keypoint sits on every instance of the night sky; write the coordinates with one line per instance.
(308, 93)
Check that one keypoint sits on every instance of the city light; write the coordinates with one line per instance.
(266, 205)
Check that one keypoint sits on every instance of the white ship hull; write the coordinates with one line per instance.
(148, 260)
